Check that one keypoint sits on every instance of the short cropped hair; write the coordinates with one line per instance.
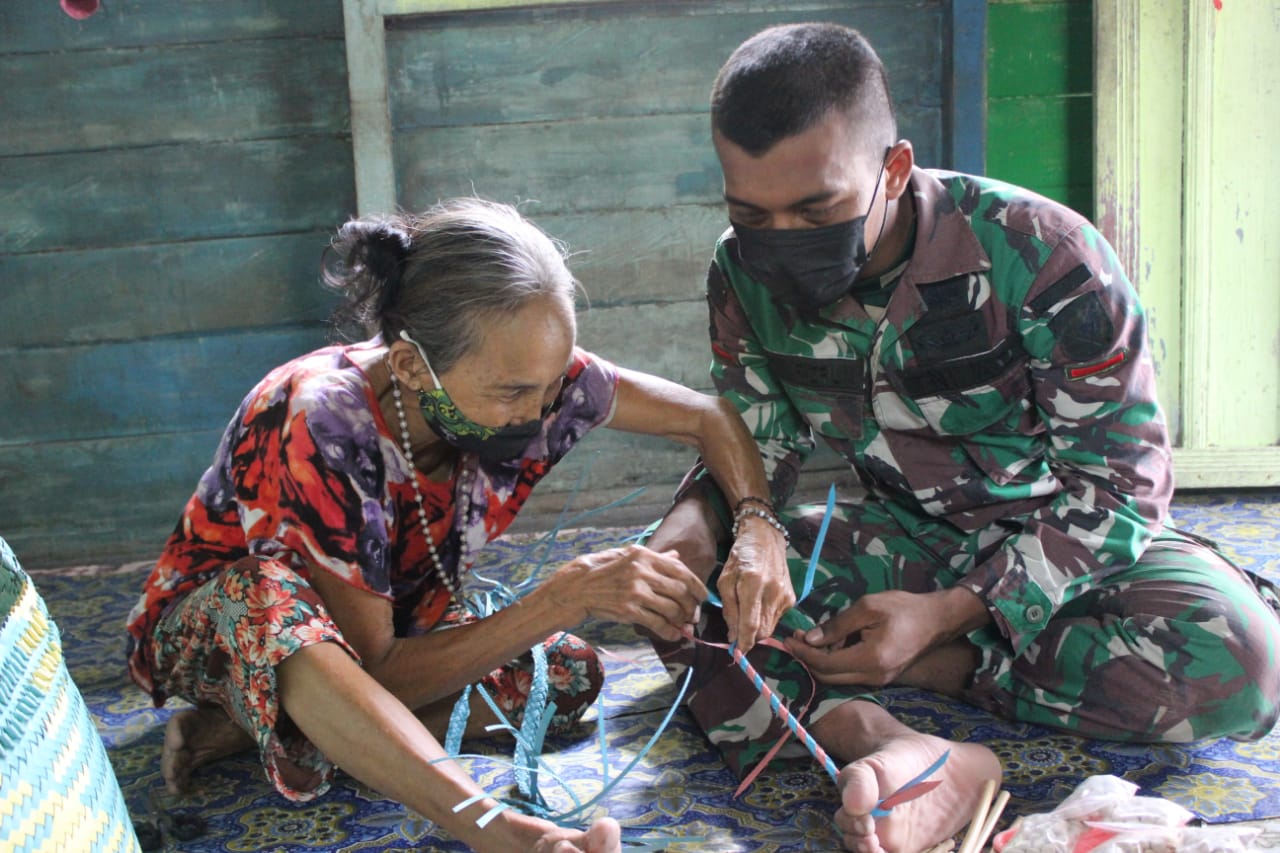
(785, 79)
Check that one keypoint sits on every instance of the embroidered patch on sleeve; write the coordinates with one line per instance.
(1083, 371)
(1083, 329)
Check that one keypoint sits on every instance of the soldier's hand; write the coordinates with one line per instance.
(875, 639)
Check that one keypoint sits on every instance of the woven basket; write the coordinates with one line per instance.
(58, 793)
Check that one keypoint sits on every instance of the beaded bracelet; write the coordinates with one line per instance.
(752, 499)
(759, 513)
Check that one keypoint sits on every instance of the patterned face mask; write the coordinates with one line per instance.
(491, 444)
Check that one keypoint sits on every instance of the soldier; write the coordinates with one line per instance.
(979, 357)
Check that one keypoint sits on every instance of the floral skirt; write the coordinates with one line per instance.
(220, 646)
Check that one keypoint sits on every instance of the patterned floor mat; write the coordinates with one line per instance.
(680, 787)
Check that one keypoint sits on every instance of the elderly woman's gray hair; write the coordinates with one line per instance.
(440, 274)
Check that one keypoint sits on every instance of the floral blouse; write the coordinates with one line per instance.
(309, 473)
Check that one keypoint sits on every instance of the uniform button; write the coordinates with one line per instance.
(1035, 613)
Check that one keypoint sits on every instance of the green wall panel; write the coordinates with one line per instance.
(171, 172)
(1045, 144)
(1039, 48)
(1040, 101)
(99, 500)
(577, 63)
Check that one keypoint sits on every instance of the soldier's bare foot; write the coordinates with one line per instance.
(195, 737)
(920, 823)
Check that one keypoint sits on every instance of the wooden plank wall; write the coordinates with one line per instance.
(594, 119)
(169, 173)
(1040, 97)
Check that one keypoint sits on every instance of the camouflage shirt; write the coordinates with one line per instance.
(1006, 386)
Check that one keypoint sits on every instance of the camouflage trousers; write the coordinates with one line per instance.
(1178, 647)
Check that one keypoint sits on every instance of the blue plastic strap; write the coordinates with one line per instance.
(469, 801)
(929, 771)
(578, 812)
(491, 814)
(458, 722)
(817, 543)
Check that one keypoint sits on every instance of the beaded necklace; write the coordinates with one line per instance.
(464, 556)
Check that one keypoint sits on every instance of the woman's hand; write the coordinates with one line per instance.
(755, 583)
(634, 585)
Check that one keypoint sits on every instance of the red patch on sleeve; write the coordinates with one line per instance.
(1093, 369)
(723, 353)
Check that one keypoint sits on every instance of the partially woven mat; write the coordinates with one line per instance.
(681, 784)
(57, 789)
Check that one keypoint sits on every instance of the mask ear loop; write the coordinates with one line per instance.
(404, 336)
(884, 219)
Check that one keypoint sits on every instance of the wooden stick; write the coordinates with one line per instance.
(970, 843)
(993, 816)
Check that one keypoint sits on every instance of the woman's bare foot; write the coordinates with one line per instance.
(194, 737)
(920, 823)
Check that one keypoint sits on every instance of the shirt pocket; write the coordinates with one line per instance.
(988, 391)
(983, 404)
(829, 393)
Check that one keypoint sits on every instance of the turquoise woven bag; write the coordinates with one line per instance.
(58, 793)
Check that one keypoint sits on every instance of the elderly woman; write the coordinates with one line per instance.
(298, 603)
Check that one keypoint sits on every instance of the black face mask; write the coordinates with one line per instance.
(808, 268)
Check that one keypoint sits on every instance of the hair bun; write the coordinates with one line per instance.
(385, 248)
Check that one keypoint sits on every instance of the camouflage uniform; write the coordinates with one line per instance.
(1000, 411)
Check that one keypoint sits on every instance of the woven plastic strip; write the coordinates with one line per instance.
(812, 568)
(658, 840)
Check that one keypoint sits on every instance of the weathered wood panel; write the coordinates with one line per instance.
(35, 26)
(579, 62)
(96, 501)
(618, 261)
(118, 499)
(168, 201)
(611, 466)
(668, 339)
(169, 174)
(178, 384)
(594, 119)
(603, 164)
(131, 196)
(194, 93)
(624, 163)
(155, 385)
(58, 298)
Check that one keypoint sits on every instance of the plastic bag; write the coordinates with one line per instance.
(1104, 815)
